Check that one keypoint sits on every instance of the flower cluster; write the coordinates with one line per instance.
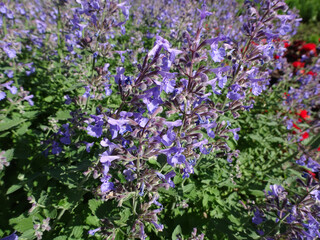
(298, 214)
(175, 107)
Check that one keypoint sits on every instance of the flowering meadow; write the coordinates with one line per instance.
(157, 119)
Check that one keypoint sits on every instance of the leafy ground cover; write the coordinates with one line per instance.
(158, 120)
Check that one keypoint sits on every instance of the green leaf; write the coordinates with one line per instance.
(188, 188)
(48, 99)
(234, 219)
(14, 188)
(315, 143)
(30, 114)
(205, 200)
(92, 221)
(29, 234)
(21, 223)
(77, 231)
(10, 123)
(63, 115)
(124, 216)
(24, 128)
(61, 238)
(257, 193)
(9, 154)
(176, 232)
(94, 204)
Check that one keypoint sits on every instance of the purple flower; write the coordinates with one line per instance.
(168, 138)
(107, 89)
(12, 89)
(92, 232)
(105, 157)
(13, 236)
(222, 81)
(256, 89)
(87, 93)
(121, 55)
(56, 149)
(28, 98)
(233, 94)
(3, 8)
(125, 9)
(159, 227)
(68, 100)
(2, 95)
(9, 14)
(235, 135)
(118, 125)
(10, 52)
(203, 12)
(216, 54)
(96, 129)
(289, 124)
(88, 146)
(301, 160)
(167, 177)
(41, 26)
(257, 219)
(316, 194)
(129, 175)
(9, 73)
(107, 186)
(275, 190)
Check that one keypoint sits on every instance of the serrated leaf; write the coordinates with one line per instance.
(94, 204)
(10, 123)
(77, 231)
(93, 221)
(29, 234)
(21, 223)
(170, 192)
(24, 128)
(124, 216)
(188, 188)
(30, 114)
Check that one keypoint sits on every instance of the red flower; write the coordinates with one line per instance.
(318, 149)
(304, 136)
(296, 127)
(309, 47)
(303, 114)
(276, 57)
(312, 73)
(286, 44)
(298, 64)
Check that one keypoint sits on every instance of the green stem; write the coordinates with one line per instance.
(4, 25)
(59, 27)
